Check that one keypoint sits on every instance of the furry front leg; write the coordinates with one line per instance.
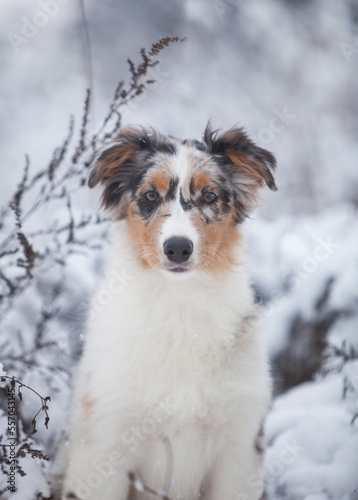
(237, 475)
(95, 475)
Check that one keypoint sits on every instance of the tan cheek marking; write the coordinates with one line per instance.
(145, 237)
(218, 243)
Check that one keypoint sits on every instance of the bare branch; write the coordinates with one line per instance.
(44, 400)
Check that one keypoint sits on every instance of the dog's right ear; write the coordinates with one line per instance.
(116, 168)
(108, 162)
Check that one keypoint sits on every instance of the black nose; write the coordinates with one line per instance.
(178, 249)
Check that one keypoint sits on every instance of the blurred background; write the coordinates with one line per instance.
(245, 62)
(287, 71)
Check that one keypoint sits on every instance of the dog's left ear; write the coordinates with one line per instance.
(247, 165)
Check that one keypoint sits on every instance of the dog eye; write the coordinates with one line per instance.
(209, 197)
(151, 196)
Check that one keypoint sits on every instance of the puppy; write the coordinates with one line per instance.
(173, 385)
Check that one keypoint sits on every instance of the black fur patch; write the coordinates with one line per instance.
(127, 178)
(147, 208)
(191, 187)
(173, 184)
(154, 142)
(225, 198)
(186, 204)
(196, 144)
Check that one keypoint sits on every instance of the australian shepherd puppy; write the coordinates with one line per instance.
(173, 385)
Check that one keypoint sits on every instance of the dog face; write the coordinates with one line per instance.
(182, 200)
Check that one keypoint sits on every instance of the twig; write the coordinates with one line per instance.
(44, 401)
(86, 43)
(82, 143)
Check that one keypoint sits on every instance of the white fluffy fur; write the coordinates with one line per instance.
(179, 364)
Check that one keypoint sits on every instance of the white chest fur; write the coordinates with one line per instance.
(190, 348)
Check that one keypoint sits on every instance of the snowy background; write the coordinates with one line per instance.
(287, 70)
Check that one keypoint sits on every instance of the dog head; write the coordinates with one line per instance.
(182, 200)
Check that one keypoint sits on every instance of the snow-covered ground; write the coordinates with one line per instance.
(285, 69)
(313, 440)
(306, 269)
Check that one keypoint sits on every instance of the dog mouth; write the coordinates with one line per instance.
(179, 268)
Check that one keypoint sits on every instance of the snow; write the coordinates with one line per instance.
(317, 417)
(29, 488)
(312, 443)
(309, 252)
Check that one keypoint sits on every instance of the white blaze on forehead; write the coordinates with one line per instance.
(180, 162)
(179, 223)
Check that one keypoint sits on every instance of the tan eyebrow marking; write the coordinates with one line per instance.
(160, 181)
(200, 180)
